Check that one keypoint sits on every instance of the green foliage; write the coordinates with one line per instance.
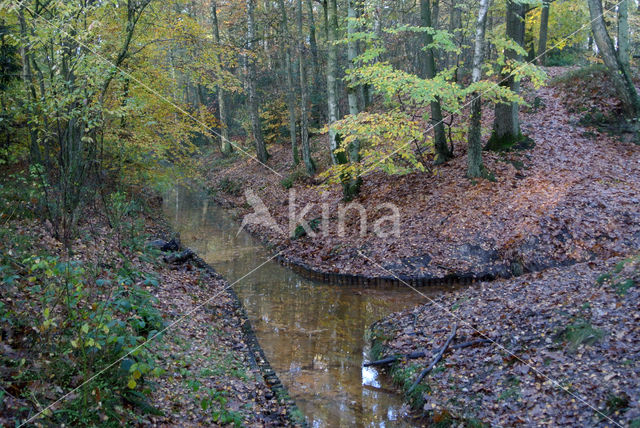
(300, 231)
(512, 392)
(565, 57)
(580, 332)
(507, 143)
(392, 142)
(623, 277)
(83, 316)
(617, 403)
(275, 120)
(291, 179)
(568, 25)
(230, 186)
(588, 72)
(404, 375)
(395, 140)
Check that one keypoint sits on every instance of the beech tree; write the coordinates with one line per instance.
(506, 124)
(256, 126)
(332, 71)
(304, 98)
(442, 149)
(544, 30)
(225, 144)
(616, 60)
(288, 71)
(351, 185)
(475, 167)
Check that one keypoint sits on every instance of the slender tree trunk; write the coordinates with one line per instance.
(27, 77)
(291, 91)
(225, 143)
(475, 168)
(618, 73)
(256, 127)
(623, 33)
(443, 153)
(506, 125)
(316, 109)
(351, 185)
(352, 53)
(455, 24)
(201, 105)
(304, 99)
(544, 29)
(332, 71)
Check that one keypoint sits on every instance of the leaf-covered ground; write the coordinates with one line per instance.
(571, 198)
(203, 373)
(566, 337)
(564, 353)
(209, 378)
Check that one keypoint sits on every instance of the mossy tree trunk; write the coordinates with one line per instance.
(443, 153)
(351, 185)
(544, 30)
(256, 126)
(332, 71)
(317, 116)
(619, 73)
(506, 124)
(291, 95)
(475, 168)
(304, 99)
(225, 143)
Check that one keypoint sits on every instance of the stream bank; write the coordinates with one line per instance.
(563, 349)
(313, 334)
(571, 198)
(166, 344)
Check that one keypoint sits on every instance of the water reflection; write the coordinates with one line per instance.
(313, 334)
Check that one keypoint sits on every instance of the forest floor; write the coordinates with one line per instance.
(562, 341)
(573, 197)
(199, 372)
(563, 349)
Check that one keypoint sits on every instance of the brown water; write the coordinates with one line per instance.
(313, 334)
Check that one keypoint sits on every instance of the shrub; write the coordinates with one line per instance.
(230, 186)
(291, 179)
(77, 318)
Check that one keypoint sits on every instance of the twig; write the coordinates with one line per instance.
(420, 354)
(435, 360)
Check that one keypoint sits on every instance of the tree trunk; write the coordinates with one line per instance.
(443, 153)
(256, 127)
(332, 71)
(455, 25)
(352, 53)
(618, 73)
(316, 109)
(506, 125)
(351, 185)
(225, 143)
(291, 96)
(26, 76)
(475, 168)
(544, 29)
(623, 33)
(304, 99)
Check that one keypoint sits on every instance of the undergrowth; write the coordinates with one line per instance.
(623, 277)
(66, 318)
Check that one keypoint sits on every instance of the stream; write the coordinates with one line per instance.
(313, 334)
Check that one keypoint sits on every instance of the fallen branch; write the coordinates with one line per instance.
(420, 354)
(435, 360)
(179, 258)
